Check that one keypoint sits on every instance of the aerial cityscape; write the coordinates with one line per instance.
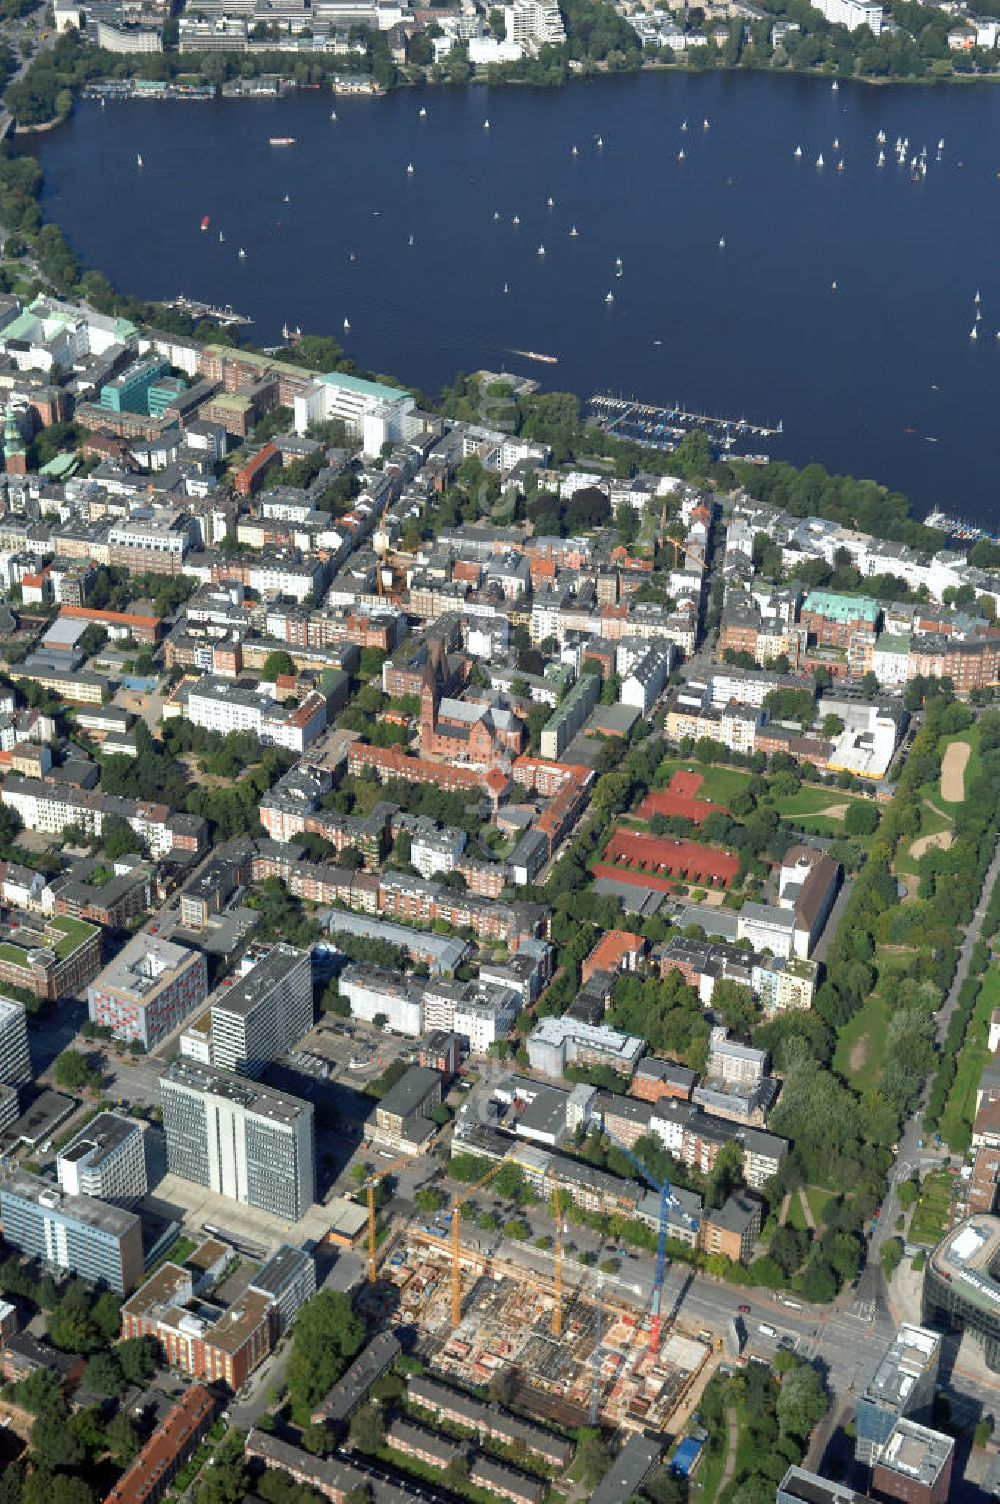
(499, 813)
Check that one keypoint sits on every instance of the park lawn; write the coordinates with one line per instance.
(861, 1045)
(719, 786)
(934, 819)
(712, 1467)
(822, 825)
(796, 1216)
(933, 1209)
(819, 1200)
(960, 1108)
(810, 800)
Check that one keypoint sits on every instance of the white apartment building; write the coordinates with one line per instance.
(220, 705)
(736, 1064)
(851, 13)
(106, 1159)
(374, 992)
(239, 1139)
(263, 1013)
(434, 850)
(373, 413)
(479, 1012)
(153, 530)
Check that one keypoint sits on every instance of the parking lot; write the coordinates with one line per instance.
(355, 1052)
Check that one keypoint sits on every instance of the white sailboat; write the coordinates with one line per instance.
(684, 125)
(222, 238)
(574, 152)
(333, 115)
(409, 169)
(835, 86)
(486, 123)
(287, 200)
(840, 165)
(836, 143)
(819, 160)
(722, 242)
(410, 241)
(516, 220)
(422, 113)
(609, 297)
(974, 332)
(880, 138)
(496, 215)
(881, 159)
(574, 232)
(550, 202)
(242, 254)
(541, 250)
(138, 160)
(599, 143)
(618, 263)
(977, 298)
(797, 152)
(680, 155)
(506, 288)
(706, 124)
(347, 326)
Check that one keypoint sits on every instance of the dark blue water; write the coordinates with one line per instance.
(755, 328)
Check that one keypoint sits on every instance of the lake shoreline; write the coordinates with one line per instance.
(696, 335)
(499, 81)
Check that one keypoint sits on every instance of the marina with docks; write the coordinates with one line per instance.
(665, 427)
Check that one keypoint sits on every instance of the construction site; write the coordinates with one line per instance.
(575, 1356)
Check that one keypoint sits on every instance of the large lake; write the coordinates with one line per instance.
(841, 302)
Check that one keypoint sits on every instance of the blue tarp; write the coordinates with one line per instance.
(685, 1457)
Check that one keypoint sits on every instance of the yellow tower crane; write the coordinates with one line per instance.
(456, 1250)
(557, 1301)
(370, 1184)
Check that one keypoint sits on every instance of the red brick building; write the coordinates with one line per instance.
(655, 1079)
(618, 950)
(225, 1350)
(684, 860)
(464, 731)
(250, 479)
(145, 629)
(166, 1451)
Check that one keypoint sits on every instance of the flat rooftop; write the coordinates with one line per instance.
(101, 1138)
(82, 1209)
(146, 964)
(252, 1096)
(248, 991)
(912, 1353)
(967, 1255)
(916, 1452)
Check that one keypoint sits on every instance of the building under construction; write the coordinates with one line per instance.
(598, 1367)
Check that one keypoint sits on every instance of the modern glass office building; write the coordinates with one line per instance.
(962, 1283)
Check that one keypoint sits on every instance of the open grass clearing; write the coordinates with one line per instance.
(811, 800)
(819, 1200)
(796, 1216)
(861, 1045)
(821, 825)
(719, 786)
